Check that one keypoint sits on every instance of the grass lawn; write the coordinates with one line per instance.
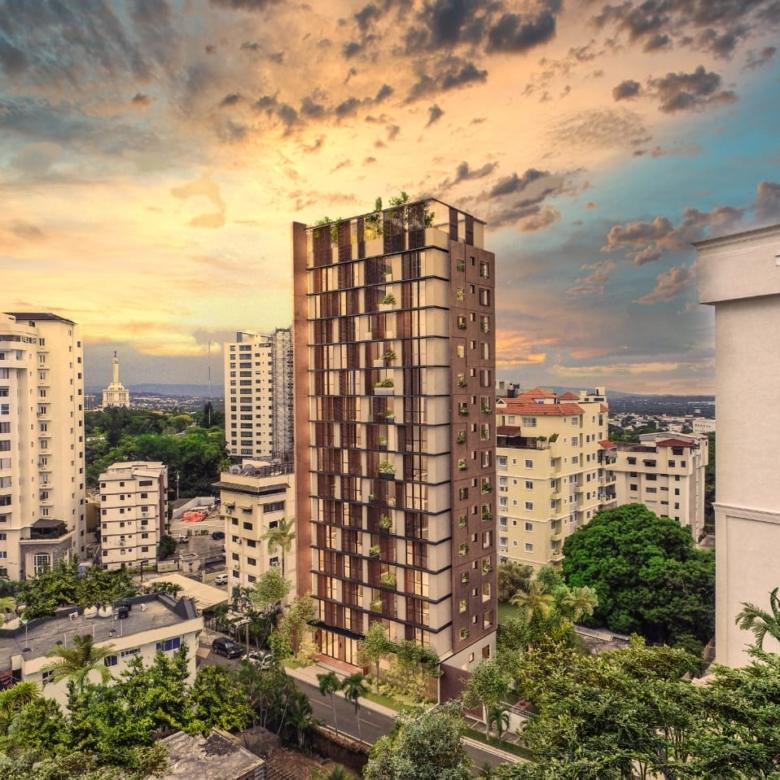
(294, 663)
(386, 701)
(506, 611)
(506, 746)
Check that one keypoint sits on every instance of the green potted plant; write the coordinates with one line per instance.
(376, 605)
(388, 579)
(462, 521)
(389, 414)
(382, 444)
(462, 466)
(373, 551)
(486, 486)
(485, 406)
(385, 522)
(387, 302)
(384, 386)
(389, 356)
(461, 437)
(487, 515)
(386, 470)
(463, 410)
(462, 380)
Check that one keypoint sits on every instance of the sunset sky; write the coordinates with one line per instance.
(153, 155)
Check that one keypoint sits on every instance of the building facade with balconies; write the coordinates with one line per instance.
(258, 395)
(394, 335)
(41, 443)
(665, 472)
(554, 470)
(254, 499)
(133, 513)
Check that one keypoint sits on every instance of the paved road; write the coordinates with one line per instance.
(372, 724)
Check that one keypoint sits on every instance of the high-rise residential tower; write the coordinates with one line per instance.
(258, 395)
(116, 394)
(394, 423)
(739, 276)
(554, 466)
(41, 443)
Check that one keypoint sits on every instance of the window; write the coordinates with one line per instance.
(110, 660)
(169, 644)
(529, 505)
(529, 526)
(529, 547)
(529, 464)
(130, 651)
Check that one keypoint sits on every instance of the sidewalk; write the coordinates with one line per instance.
(308, 674)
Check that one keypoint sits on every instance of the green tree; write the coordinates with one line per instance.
(219, 701)
(512, 577)
(293, 622)
(353, 687)
(423, 746)
(498, 716)
(281, 538)
(79, 660)
(38, 726)
(375, 645)
(576, 603)
(328, 684)
(760, 621)
(16, 698)
(166, 547)
(488, 685)
(269, 591)
(648, 576)
(7, 603)
(535, 603)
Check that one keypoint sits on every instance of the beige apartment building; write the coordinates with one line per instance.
(739, 276)
(155, 623)
(394, 426)
(665, 471)
(41, 443)
(133, 513)
(254, 498)
(554, 468)
(258, 395)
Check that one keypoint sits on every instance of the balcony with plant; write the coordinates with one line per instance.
(462, 521)
(462, 380)
(381, 443)
(386, 470)
(461, 437)
(462, 465)
(487, 486)
(385, 522)
(388, 579)
(486, 408)
(389, 357)
(487, 515)
(487, 567)
(384, 386)
(376, 605)
(463, 410)
(373, 551)
(387, 302)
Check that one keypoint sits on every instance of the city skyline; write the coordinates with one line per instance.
(597, 140)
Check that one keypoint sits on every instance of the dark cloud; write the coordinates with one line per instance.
(657, 42)
(250, 46)
(312, 108)
(385, 91)
(626, 89)
(347, 107)
(392, 132)
(515, 183)
(434, 115)
(140, 99)
(232, 99)
(272, 107)
(353, 48)
(451, 73)
(601, 127)
(760, 58)
(12, 60)
(689, 91)
(518, 33)
(669, 284)
(464, 172)
(245, 5)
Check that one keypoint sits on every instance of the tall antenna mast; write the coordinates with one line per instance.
(208, 405)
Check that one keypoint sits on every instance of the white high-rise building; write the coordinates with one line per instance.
(665, 471)
(116, 394)
(133, 513)
(258, 395)
(739, 275)
(41, 443)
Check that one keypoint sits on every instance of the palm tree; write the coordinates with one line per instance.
(7, 603)
(17, 696)
(299, 716)
(577, 603)
(76, 662)
(497, 716)
(281, 538)
(761, 622)
(354, 687)
(329, 683)
(535, 602)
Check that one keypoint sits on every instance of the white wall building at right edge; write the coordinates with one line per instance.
(740, 276)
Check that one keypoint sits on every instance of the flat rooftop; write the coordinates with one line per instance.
(148, 612)
(217, 757)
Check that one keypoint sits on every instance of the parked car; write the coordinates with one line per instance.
(217, 534)
(260, 658)
(221, 579)
(183, 539)
(227, 647)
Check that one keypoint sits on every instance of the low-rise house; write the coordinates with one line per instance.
(153, 623)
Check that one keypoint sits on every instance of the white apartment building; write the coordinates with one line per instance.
(253, 499)
(666, 473)
(41, 443)
(133, 513)
(703, 425)
(739, 275)
(116, 394)
(554, 468)
(155, 623)
(258, 395)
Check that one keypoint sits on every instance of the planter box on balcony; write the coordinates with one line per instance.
(386, 306)
(387, 476)
(383, 390)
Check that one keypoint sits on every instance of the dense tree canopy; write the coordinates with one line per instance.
(649, 576)
(196, 453)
